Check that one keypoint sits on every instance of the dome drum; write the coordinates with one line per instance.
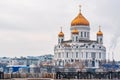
(75, 31)
(80, 27)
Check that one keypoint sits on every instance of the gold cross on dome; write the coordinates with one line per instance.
(61, 29)
(99, 28)
(80, 8)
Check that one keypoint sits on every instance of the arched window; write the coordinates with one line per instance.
(81, 34)
(97, 39)
(100, 39)
(67, 55)
(61, 40)
(86, 63)
(73, 38)
(87, 34)
(99, 55)
(59, 55)
(72, 55)
(76, 54)
(86, 46)
(93, 55)
(86, 55)
(82, 54)
(76, 38)
(84, 34)
(76, 46)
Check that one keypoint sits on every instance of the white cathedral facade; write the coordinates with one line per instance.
(80, 47)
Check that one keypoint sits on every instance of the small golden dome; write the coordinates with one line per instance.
(80, 20)
(61, 34)
(99, 33)
(75, 31)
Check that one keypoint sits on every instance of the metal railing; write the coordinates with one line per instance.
(88, 75)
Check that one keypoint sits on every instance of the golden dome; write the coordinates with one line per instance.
(99, 33)
(80, 20)
(75, 31)
(61, 34)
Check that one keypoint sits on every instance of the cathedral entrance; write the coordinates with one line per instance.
(93, 63)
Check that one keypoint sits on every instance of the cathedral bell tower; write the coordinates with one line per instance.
(100, 36)
(60, 36)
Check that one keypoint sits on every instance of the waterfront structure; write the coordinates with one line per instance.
(80, 48)
(23, 61)
(27, 64)
(3, 63)
(17, 68)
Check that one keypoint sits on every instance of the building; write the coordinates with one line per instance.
(23, 61)
(27, 64)
(4, 61)
(80, 48)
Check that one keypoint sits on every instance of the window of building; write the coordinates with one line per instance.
(81, 34)
(82, 54)
(55, 55)
(65, 60)
(84, 34)
(59, 55)
(67, 55)
(93, 55)
(72, 54)
(87, 34)
(86, 54)
(100, 39)
(99, 55)
(76, 46)
(59, 46)
(93, 46)
(73, 38)
(86, 63)
(61, 40)
(63, 54)
(71, 60)
(86, 46)
(76, 38)
(76, 54)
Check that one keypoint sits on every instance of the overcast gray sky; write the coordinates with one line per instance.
(30, 27)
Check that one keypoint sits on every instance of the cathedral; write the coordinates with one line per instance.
(80, 48)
